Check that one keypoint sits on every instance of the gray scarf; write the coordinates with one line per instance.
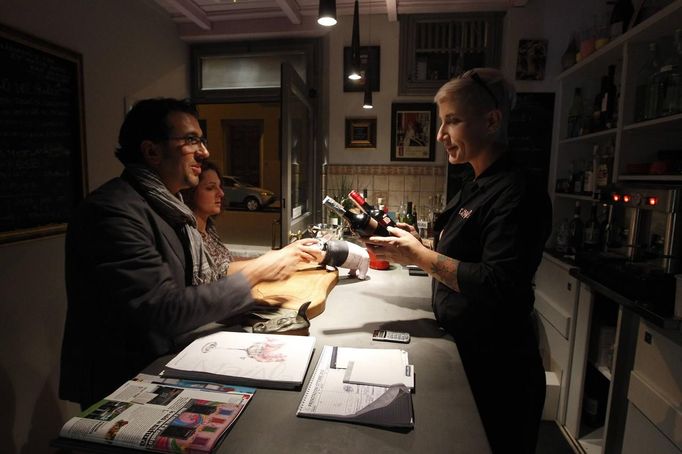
(173, 210)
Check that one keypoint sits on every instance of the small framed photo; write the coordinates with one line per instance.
(413, 131)
(370, 59)
(531, 58)
(361, 132)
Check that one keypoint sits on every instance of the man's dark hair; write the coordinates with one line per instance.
(147, 120)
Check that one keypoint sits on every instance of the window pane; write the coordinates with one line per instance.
(247, 71)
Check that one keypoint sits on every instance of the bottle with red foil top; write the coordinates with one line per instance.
(361, 223)
(380, 216)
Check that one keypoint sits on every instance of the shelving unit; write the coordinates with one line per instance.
(634, 145)
(634, 142)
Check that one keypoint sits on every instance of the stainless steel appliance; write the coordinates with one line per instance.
(644, 224)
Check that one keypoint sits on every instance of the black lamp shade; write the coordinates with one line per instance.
(327, 13)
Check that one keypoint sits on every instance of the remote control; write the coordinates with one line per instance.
(390, 336)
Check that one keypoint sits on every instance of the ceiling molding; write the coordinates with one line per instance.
(214, 20)
(291, 10)
(190, 10)
(271, 27)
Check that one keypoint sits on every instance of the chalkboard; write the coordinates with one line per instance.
(42, 145)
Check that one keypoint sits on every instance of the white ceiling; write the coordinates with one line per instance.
(213, 20)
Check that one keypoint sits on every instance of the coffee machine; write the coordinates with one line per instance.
(644, 225)
(641, 245)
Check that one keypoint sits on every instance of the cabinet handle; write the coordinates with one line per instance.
(569, 286)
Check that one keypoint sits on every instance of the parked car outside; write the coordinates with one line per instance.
(241, 193)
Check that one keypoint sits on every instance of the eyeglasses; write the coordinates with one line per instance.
(481, 83)
(191, 140)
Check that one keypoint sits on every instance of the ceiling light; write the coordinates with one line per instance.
(327, 13)
(355, 45)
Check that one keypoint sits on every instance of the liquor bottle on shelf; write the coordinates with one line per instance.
(620, 17)
(415, 219)
(575, 114)
(578, 176)
(645, 96)
(588, 178)
(591, 232)
(604, 164)
(575, 231)
(360, 223)
(668, 80)
(380, 216)
(609, 110)
(597, 119)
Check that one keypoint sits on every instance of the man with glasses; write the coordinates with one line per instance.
(137, 275)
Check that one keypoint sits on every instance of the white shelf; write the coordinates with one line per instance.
(672, 178)
(585, 198)
(593, 442)
(672, 122)
(593, 137)
(604, 371)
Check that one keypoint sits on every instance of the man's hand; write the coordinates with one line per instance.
(280, 264)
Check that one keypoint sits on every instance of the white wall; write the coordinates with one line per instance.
(130, 51)
(553, 20)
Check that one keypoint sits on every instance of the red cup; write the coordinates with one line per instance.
(376, 264)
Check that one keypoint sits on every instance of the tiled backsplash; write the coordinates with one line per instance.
(424, 186)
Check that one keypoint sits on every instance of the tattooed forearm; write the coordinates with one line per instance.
(445, 270)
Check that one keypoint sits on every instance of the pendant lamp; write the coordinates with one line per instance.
(355, 45)
(367, 102)
(327, 13)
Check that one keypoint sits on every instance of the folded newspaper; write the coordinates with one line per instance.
(177, 416)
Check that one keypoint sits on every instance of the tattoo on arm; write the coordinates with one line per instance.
(445, 271)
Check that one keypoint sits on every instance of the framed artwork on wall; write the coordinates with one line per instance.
(370, 57)
(361, 132)
(530, 59)
(413, 131)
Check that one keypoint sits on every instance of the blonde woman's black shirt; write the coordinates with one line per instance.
(496, 226)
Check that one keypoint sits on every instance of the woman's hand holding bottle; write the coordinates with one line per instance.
(402, 247)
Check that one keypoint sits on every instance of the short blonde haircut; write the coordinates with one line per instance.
(473, 96)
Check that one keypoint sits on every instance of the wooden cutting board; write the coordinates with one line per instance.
(310, 283)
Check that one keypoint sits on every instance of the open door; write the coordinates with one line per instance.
(298, 157)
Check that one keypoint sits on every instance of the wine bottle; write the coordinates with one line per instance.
(360, 223)
(575, 114)
(409, 216)
(380, 216)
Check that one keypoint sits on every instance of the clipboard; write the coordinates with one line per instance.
(328, 397)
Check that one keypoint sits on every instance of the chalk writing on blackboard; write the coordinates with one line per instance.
(42, 151)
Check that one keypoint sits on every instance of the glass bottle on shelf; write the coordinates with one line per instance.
(598, 107)
(563, 237)
(604, 165)
(575, 231)
(609, 105)
(591, 232)
(644, 101)
(575, 114)
(620, 17)
(669, 80)
(578, 178)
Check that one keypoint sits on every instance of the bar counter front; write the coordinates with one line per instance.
(445, 416)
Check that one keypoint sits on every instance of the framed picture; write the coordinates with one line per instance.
(413, 131)
(361, 132)
(531, 58)
(369, 58)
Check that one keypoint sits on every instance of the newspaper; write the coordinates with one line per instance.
(161, 417)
